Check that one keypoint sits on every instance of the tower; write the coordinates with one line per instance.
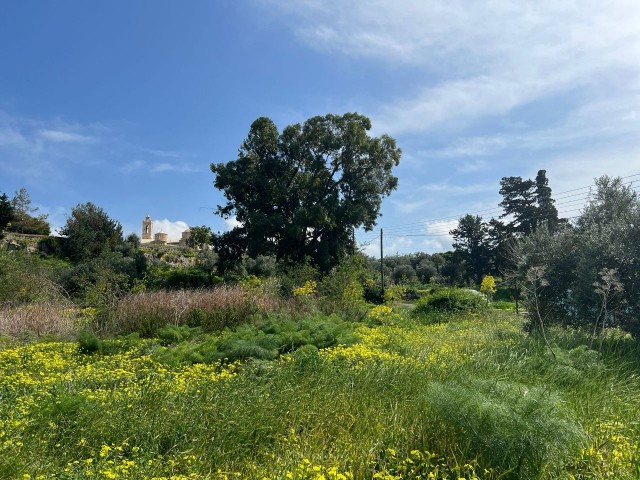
(147, 229)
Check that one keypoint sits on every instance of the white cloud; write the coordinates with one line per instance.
(232, 222)
(65, 137)
(163, 153)
(173, 167)
(173, 229)
(440, 230)
(472, 166)
(478, 59)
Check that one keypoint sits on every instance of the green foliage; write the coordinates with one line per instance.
(166, 277)
(90, 232)
(527, 430)
(199, 237)
(291, 276)
(98, 282)
(6, 211)
(529, 202)
(312, 185)
(606, 238)
(341, 291)
(16, 215)
(394, 293)
(88, 342)
(503, 305)
(26, 278)
(450, 300)
(174, 334)
(263, 340)
(471, 240)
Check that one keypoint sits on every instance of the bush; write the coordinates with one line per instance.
(88, 342)
(450, 300)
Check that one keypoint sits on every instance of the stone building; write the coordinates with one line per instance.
(160, 238)
(147, 230)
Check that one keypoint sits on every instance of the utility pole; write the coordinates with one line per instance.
(381, 264)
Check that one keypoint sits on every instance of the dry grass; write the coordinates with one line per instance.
(42, 318)
(214, 309)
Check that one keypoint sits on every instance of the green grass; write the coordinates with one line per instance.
(474, 396)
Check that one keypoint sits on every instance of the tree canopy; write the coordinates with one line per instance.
(16, 215)
(298, 194)
(90, 232)
(529, 203)
(599, 255)
(471, 239)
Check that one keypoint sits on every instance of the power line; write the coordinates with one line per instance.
(416, 231)
(426, 223)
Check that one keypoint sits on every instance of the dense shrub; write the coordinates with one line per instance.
(450, 300)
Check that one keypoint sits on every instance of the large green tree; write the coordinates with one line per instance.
(591, 271)
(90, 232)
(528, 204)
(300, 193)
(471, 240)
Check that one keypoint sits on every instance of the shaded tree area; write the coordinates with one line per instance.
(300, 193)
(590, 273)
(408, 269)
(528, 204)
(481, 248)
(18, 215)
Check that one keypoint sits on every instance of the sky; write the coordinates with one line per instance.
(126, 104)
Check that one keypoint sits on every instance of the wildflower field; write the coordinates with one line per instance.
(472, 397)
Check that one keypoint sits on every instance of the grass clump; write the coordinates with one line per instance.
(526, 431)
(448, 301)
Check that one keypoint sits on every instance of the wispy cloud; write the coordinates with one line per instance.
(164, 153)
(478, 59)
(65, 137)
(173, 167)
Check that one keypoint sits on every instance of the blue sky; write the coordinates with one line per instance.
(125, 104)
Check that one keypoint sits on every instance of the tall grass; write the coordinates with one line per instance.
(212, 309)
(40, 319)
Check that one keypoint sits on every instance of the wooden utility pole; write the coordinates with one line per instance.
(381, 264)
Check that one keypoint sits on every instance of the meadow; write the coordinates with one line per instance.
(467, 395)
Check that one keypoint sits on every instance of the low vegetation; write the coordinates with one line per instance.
(317, 396)
(117, 363)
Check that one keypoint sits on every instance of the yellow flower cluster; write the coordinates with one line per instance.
(306, 470)
(383, 314)
(426, 465)
(306, 290)
(612, 452)
(32, 374)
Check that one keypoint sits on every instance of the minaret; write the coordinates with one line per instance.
(147, 229)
